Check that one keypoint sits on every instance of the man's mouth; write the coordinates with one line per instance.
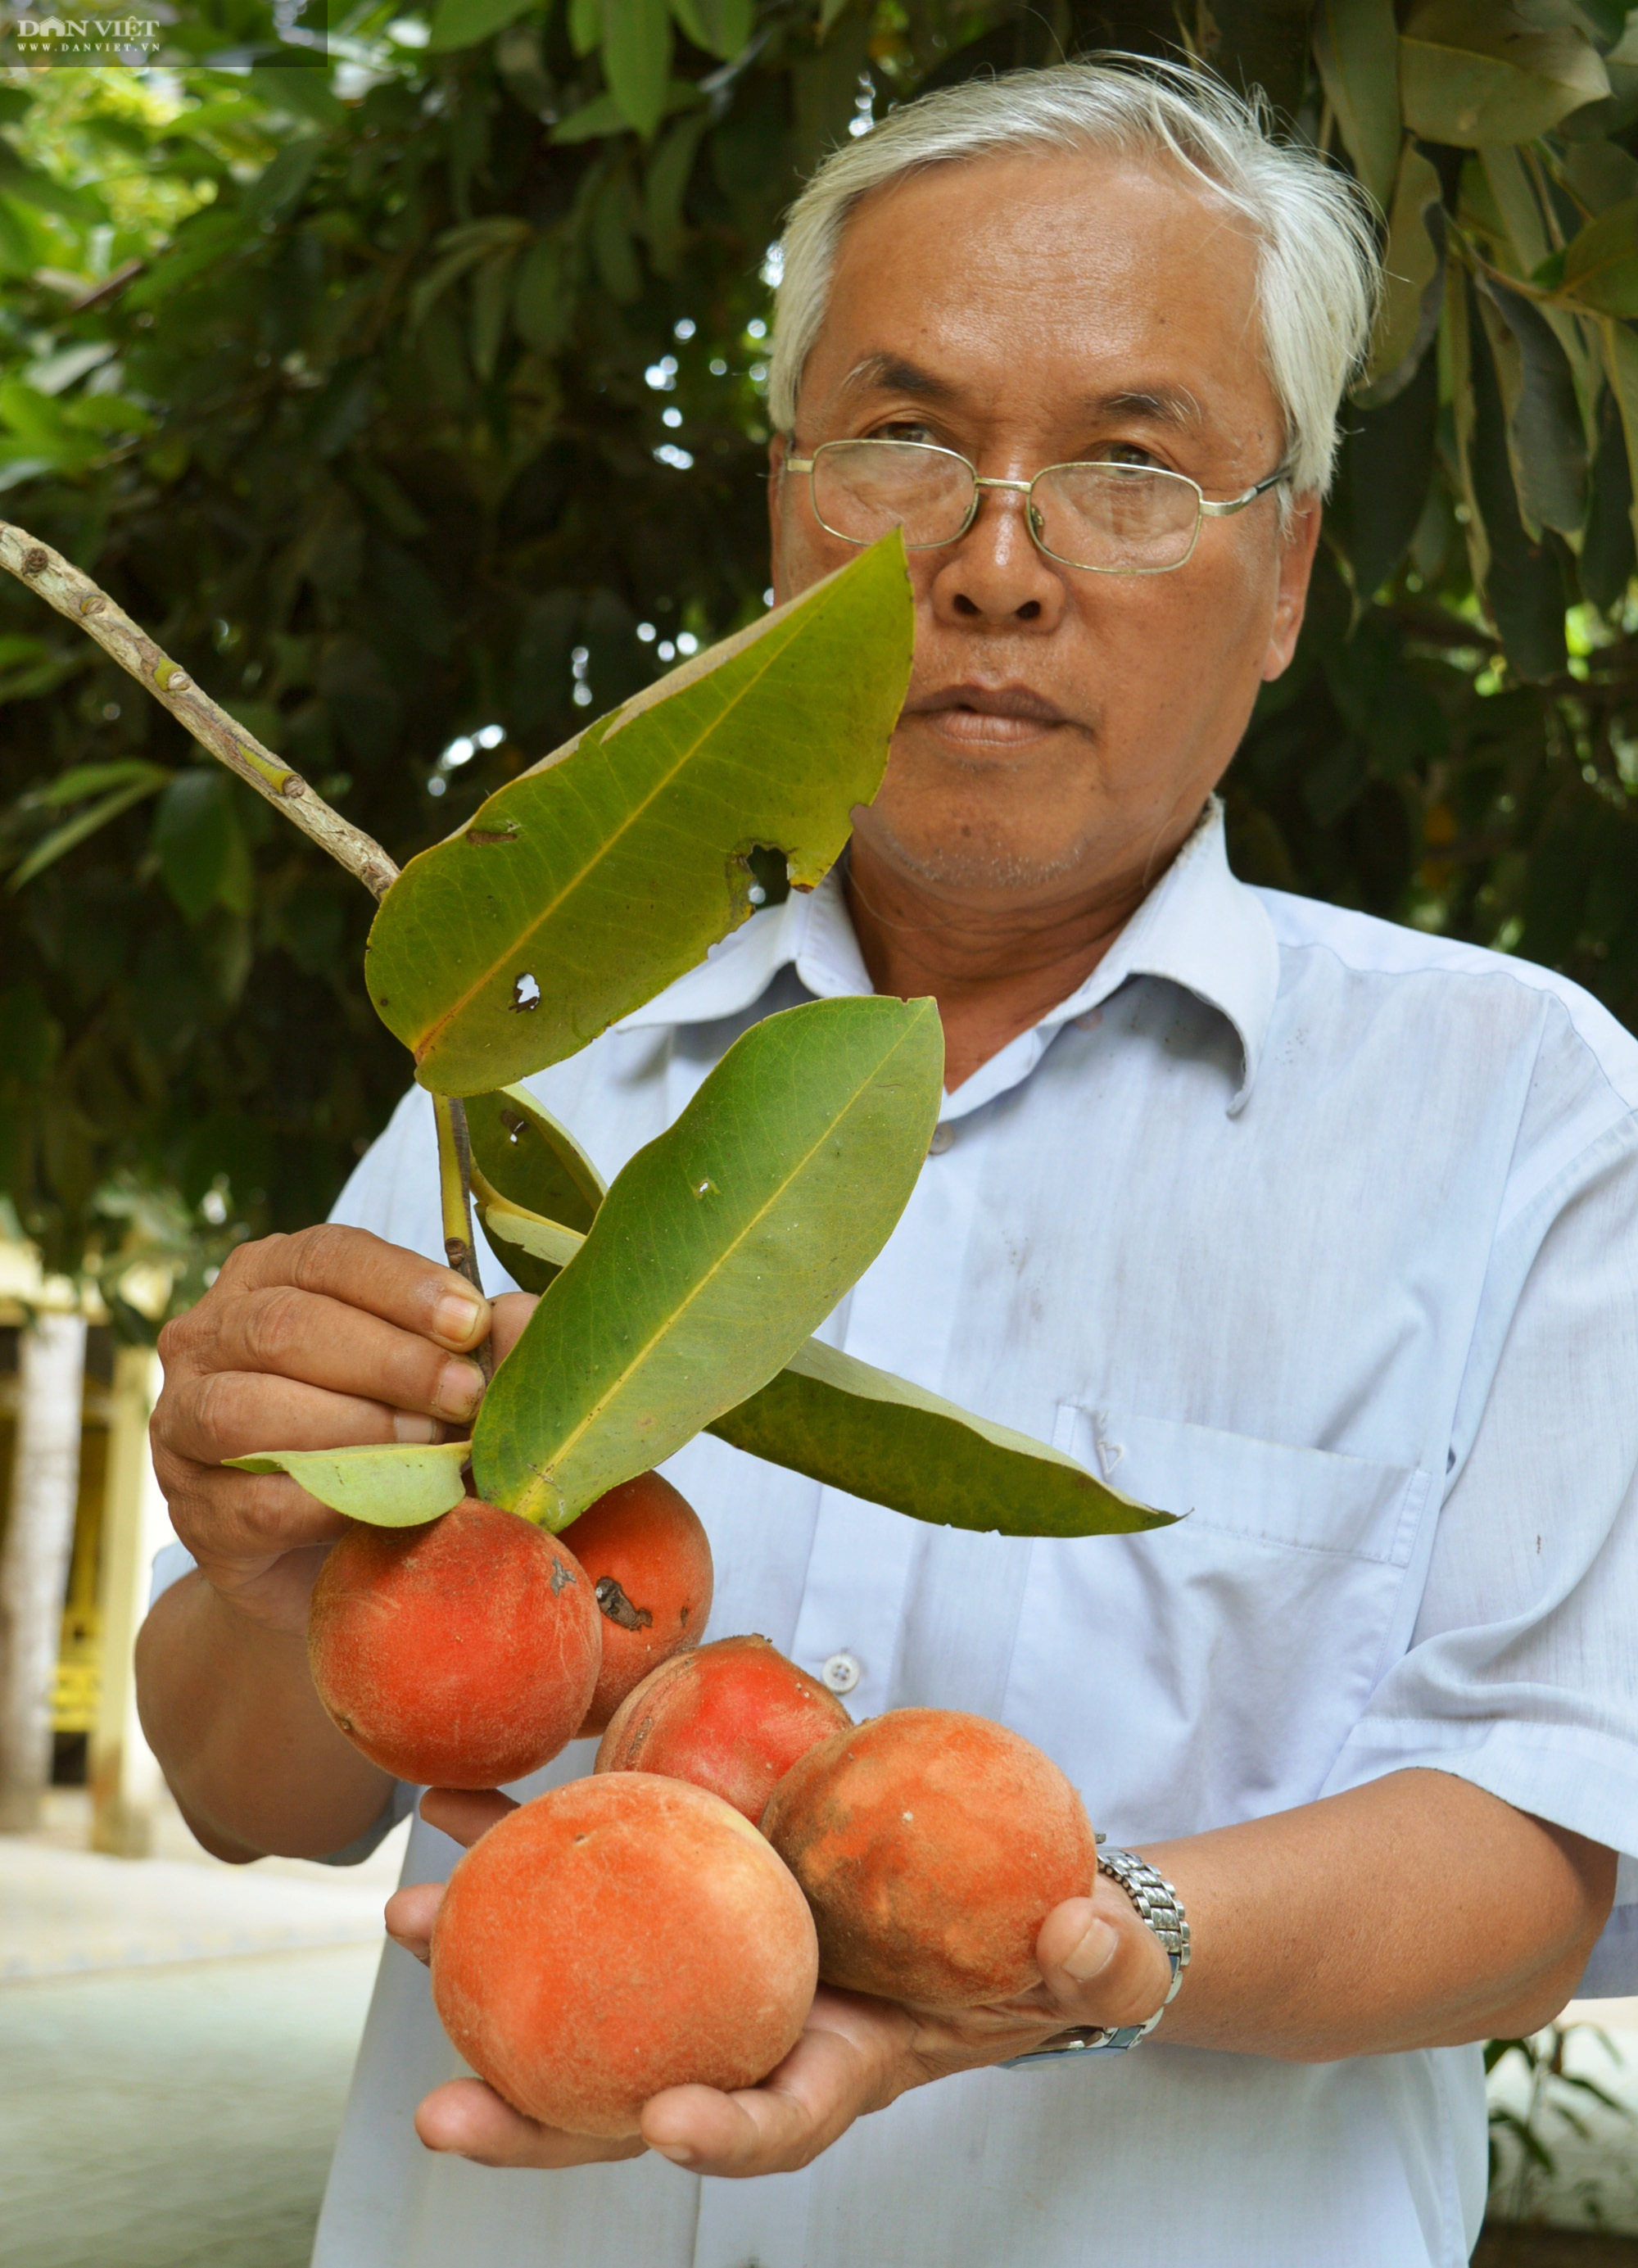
(994, 714)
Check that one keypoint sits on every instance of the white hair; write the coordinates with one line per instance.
(1318, 269)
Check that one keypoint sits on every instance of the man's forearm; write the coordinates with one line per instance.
(228, 1708)
(1419, 1912)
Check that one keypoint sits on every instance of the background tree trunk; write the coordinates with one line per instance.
(33, 1563)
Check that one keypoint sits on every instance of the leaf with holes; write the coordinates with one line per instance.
(853, 1427)
(716, 1252)
(523, 1152)
(534, 1167)
(579, 891)
(398, 1487)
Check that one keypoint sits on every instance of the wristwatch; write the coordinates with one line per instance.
(1160, 1906)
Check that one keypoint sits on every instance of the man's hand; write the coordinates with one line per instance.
(1100, 1965)
(318, 1341)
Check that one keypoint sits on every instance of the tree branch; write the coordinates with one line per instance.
(77, 597)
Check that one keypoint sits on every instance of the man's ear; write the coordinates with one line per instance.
(778, 449)
(1296, 564)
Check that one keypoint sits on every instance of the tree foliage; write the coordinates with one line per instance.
(416, 406)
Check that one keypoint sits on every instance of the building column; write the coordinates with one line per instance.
(125, 1780)
(34, 1560)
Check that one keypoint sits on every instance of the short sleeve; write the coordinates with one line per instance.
(1521, 1673)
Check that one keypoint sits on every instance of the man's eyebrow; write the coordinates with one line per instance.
(1163, 405)
(890, 373)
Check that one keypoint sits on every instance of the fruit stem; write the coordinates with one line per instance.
(455, 1200)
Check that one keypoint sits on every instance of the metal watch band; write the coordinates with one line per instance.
(1159, 1906)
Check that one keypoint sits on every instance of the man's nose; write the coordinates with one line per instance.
(995, 573)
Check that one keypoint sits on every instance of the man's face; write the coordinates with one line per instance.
(1028, 311)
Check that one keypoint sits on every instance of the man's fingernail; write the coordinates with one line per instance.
(409, 1425)
(456, 1316)
(679, 2152)
(1092, 1955)
(459, 1390)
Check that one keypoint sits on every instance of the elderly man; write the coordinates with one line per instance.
(1310, 1227)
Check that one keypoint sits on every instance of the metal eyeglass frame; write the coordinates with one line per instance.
(1205, 508)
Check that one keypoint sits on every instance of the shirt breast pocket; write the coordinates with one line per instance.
(1226, 1659)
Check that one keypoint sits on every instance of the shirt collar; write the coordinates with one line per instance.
(1200, 927)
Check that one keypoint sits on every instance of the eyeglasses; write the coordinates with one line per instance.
(1107, 519)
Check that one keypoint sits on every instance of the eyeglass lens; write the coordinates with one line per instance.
(1131, 518)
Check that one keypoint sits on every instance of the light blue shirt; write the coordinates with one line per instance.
(1320, 1231)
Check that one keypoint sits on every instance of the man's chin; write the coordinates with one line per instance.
(968, 857)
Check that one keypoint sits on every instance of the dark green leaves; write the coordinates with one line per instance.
(463, 23)
(1356, 47)
(583, 889)
(1472, 71)
(1409, 313)
(1601, 266)
(716, 1252)
(878, 1437)
(1547, 447)
(637, 59)
(201, 845)
(1522, 578)
(104, 791)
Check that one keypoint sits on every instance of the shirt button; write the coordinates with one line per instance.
(943, 1138)
(842, 1673)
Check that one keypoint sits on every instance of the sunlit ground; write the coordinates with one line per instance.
(173, 2072)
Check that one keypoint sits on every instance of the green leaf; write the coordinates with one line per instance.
(1523, 583)
(531, 1159)
(718, 1251)
(1600, 267)
(73, 831)
(18, 180)
(637, 59)
(1546, 443)
(403, 1486)
(1383, 473)
(1470, 71)
(280, 185)
(1621, 366)
(491, 298)
(200, 843)
(81, 780)
(535, 1251)
(1356, 47)
(1412, 286)
(541, 300)
(851, 1426)
(463, 248)
(603, 116)
(585, 24)
(463, 23)
(860, 1429)
(720, 27)
(1607, 555)
(664, 188)
(579, 891)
